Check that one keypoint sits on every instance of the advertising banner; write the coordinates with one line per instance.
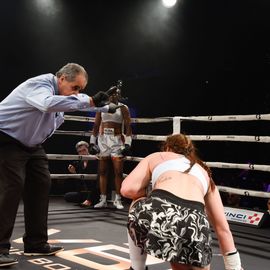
(244, 216)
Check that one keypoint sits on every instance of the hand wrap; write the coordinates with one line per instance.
(232, 261)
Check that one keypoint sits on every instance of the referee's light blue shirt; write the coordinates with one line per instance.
(34, 110)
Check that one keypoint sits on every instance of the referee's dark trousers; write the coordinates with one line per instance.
(24, 174)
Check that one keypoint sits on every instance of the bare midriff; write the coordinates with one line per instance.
(116, 126)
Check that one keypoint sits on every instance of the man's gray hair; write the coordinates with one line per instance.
(70, 71)
(80, 143)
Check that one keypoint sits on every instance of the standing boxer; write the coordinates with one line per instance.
(111, 140)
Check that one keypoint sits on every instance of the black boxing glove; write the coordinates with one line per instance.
(100, 99)
(93, 149)
(127, 148)
(126, 151)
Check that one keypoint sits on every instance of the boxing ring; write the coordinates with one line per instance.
(176, 123)
(97, 237)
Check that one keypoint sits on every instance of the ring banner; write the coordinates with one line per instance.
(247, 217)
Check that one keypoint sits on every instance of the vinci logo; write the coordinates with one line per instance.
(243, 216)
(254, 218)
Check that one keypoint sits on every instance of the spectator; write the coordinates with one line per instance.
(87, 195)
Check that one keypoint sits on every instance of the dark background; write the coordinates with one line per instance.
(198, 58)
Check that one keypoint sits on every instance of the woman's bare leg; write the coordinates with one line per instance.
(118, 173)
(103, 175)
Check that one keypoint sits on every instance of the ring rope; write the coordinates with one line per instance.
(244, 192)
(70, 157)
(177, 120)
(223, 165)
(210, 118)
(253, 167)
(74, 176)
(79, 118)
(238, 138)
(133, 120)
(241, 138)
(73, 132)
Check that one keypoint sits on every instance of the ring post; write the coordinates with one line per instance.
(176, 124)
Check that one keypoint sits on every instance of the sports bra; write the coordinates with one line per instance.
(180, 165)
(116, 117)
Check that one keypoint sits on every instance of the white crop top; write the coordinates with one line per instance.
(116, 117)
(180, 165)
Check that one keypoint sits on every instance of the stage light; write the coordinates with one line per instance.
(47, 7)
(169, 3)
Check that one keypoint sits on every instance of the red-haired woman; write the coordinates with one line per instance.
(172, 223)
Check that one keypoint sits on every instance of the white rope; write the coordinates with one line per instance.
(210, 164)
(212, 118)
(244, 192)
(149, 137)
(70, 157)
(133, 158)
(133, 120)
(79, 118)
(152, 120)
(254, 167)
(177, 129)
(235, 138)
(223, 165)
(74, 176)
(84, 157)
(258, 139)
(74, 133)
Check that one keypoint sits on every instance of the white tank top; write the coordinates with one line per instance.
(180, 165)
(116, 117)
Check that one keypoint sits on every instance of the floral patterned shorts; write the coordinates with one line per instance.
(172, 229)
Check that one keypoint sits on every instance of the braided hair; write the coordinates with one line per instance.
(182, 144)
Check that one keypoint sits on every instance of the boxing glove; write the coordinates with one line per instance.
(127, 148)
(93, 147)
(100, 99)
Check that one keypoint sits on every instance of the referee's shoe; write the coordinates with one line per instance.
(7, 260)
(45, 250)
